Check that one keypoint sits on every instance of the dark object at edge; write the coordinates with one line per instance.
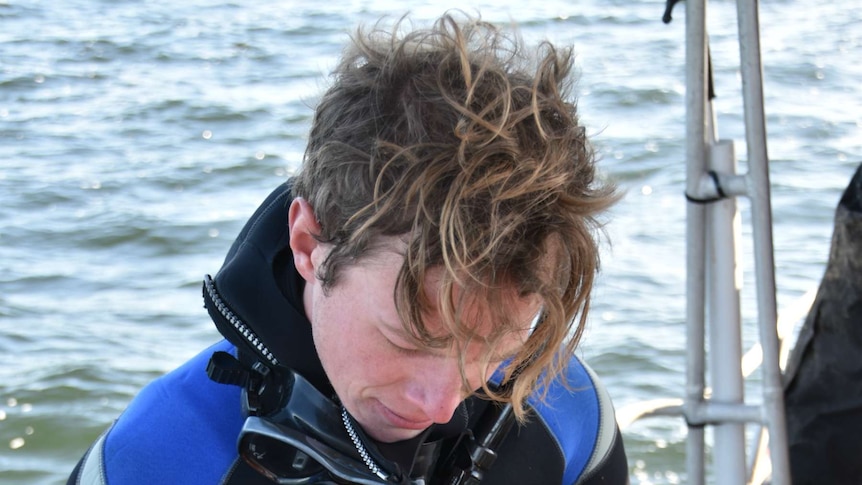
(823, 382)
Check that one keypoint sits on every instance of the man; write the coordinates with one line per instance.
(406, 309)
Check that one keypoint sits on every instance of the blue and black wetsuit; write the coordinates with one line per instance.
(183, 427)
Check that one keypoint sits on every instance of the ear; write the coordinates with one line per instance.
(304, 228)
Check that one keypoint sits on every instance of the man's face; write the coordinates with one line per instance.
(394, 389)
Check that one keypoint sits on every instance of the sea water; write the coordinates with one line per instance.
(137, 137)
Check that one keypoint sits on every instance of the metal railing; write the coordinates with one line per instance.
(712, 276)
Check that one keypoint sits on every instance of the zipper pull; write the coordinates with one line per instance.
(224, 368)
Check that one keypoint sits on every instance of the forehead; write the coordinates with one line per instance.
(442, 290)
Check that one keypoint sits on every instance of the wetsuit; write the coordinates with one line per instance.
(182, 428)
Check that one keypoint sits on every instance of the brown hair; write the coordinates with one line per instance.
(464, 145)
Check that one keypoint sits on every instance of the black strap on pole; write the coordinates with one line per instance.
(668, 8)
(666, 18)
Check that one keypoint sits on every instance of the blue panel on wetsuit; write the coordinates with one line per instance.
(181, 428)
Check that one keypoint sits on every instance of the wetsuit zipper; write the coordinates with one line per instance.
(239, 326)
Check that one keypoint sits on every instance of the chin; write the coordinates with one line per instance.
(393, 435)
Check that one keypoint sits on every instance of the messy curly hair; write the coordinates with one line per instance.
(465, 145)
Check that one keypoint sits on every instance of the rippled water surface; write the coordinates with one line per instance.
(137, 137)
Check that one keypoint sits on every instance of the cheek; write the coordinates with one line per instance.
(329, 336)
(474, 374)
(350, 356)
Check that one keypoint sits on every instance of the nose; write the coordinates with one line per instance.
(437, 389)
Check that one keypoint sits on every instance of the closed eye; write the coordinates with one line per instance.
(398, 346)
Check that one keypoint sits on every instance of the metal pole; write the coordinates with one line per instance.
(725, 322)
(695, 104)
(761, 215)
